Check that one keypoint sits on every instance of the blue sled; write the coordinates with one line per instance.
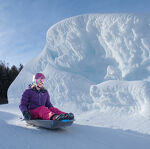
(50, 124)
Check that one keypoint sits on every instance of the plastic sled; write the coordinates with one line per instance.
(50, 124)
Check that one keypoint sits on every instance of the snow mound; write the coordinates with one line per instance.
(122, 97)
(95, 61)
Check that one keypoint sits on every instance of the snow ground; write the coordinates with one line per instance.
(16, 134)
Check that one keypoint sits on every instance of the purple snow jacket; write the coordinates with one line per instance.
(32, 98)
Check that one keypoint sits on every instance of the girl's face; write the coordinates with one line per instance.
(40, 82)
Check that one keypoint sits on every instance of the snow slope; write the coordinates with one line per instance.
(15, 134)
(97, 66)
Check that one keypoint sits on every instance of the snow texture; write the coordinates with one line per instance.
(16, 134)
(97, 66)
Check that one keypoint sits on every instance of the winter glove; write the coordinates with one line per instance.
(69, 116)
(27, 115)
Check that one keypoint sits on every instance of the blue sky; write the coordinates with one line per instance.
(24, 23)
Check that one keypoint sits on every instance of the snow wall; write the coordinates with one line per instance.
(94, 62)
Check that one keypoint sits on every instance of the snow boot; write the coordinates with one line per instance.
(69, 116)
(57, 117)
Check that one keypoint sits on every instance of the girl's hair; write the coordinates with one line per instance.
(33, 85)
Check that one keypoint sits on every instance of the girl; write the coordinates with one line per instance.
(35, 103)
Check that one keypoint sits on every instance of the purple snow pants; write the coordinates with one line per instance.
(44, 112)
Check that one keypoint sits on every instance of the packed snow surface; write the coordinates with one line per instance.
(97, 66)
(16, 134)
